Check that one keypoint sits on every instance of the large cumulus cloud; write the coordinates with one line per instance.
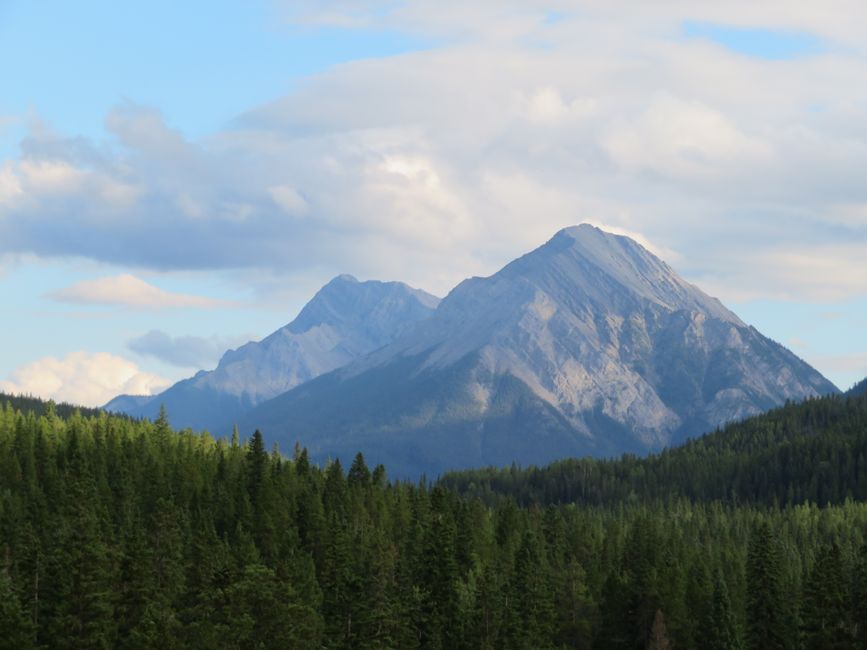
(88, 379)
(438, 164)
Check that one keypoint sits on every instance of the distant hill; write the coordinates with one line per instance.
(812, 451)
(589, 344)
(345, 320)
(30, 404)
(858, 389)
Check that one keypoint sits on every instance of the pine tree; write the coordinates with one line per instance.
(575, 607)
(359, 474)
(824, 611)
(765, 607)
(531, 619)
(16, 629)
(721, 632)
(439, 575)
(616, 628)
(263, 612)
(257, 461)
(859, 599)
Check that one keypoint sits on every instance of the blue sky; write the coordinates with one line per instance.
(200, 63)
(178, 176)
(760, 42)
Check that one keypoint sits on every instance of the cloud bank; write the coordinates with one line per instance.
(434, 165)
(82, 378)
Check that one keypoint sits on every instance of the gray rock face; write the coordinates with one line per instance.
(589, 344)
(345, 320)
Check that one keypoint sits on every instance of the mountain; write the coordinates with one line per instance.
(128, 403)
(345, 320)
(587, 345)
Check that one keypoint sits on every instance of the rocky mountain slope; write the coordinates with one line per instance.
(587, 345)
(345, 320)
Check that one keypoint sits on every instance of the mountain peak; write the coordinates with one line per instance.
(585, 264)
(594, 240)
(346, 300)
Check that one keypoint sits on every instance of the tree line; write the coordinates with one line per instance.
(809, 452)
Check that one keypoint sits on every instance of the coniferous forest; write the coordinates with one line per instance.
(117, 533)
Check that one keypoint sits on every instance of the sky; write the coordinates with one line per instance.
(179, 178)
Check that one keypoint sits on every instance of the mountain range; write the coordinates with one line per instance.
(346, 319)
(589, 344)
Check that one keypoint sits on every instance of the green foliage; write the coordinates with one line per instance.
(721, 632)
(30, 404)
(825, 611)
(766, 618)
(17, 630)
(117, 533)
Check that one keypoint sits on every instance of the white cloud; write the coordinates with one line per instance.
(130, 291)
(196, 352)
(448, 162)
(681, 139)
(88, 379)
(289, 199)
(837, 20)
(547, 106)
(10, 186)
(819, 274)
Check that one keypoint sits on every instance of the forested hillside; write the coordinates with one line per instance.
(810, 452)
(29, 404)
(859, 389)
(123, 534)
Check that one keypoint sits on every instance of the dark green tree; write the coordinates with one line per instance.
(722, 631)
(766, 626)
(825, 610)
(17, 631)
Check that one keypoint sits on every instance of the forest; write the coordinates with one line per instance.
(116, 533)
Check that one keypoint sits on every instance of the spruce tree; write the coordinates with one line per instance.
(721, 632)
(824, 613)
(359, 474)
(17, 631)
(765, 599)
(859, 599)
